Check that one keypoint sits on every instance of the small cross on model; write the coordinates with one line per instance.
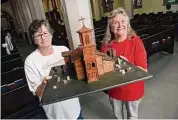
(82, 19)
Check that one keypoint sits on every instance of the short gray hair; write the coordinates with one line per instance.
(36, 24)
(108, 34)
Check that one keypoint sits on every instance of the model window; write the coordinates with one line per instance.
(108, 53)
(93, 64)
(87, 39)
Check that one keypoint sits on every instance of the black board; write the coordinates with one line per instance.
(76, 88)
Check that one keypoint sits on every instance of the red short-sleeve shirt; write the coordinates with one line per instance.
(133, 50)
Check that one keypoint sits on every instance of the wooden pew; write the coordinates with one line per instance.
(177, 31)
(99, 30)
(11, 76)
(16, 99)
(98, 40)
(152, 44)
(155, 41)
(17, 102)
(169, 35)
(10, 57)
(11, 65)
(142, 31)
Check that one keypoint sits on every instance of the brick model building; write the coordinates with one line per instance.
(86, 61)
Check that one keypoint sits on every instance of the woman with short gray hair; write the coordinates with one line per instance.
(37, 68)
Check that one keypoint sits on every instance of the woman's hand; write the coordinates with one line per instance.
(143, 69)
(41, 87)
(137, 66)
(124, 58)
(45, 80)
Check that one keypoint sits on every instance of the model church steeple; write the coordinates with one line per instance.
(85, 34)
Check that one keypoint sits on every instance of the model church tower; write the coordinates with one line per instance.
(89, 52)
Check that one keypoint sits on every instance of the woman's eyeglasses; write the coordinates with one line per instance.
(39, 36)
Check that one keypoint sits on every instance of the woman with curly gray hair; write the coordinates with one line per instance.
(123, 40)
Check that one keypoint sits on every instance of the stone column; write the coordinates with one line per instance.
(36, 9)
(96, 9)
(26, 11)
(72, 11)
(128, 6)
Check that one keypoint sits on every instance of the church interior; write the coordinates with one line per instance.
(155, 22)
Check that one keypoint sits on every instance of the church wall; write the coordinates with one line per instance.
(108, 66)
(100, 65)
(153, 6)
(117, 3)
(98, 8)
(47, 5)
(79, 68)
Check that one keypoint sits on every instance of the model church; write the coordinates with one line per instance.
(89, 64)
